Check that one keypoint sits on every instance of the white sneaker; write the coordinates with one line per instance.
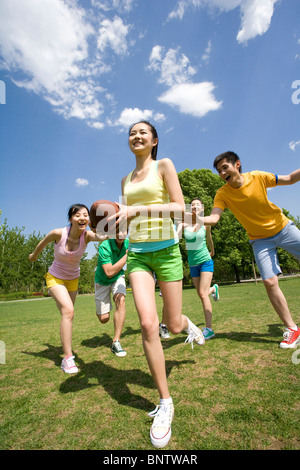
(216, 295)
(194, 334)
(160, 431)
(117, 349)
(163, 331)
(68, 365)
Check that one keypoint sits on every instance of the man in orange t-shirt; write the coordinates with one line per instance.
(245, 194)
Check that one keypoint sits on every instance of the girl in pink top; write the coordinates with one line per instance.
(63, 275)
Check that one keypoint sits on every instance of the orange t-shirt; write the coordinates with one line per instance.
(250, 205)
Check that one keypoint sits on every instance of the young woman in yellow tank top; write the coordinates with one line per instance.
(151, 196)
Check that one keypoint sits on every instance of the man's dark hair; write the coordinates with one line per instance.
(230, 157)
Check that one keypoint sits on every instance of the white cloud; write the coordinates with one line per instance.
(159, 117)
(81, 182)
(207, 52)
(181, 7)
(256, 18)
(195, 99)
(54, 65)
(119, 5)
(173, 66)
(45, 44)
(61, 52)
(61, 45)
(175, 71)
(96, 124)
(131, 115)
(293, 144)
(256, 14)
(113, 34)
(155, 58)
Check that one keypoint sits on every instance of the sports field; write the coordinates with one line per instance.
(239, 391)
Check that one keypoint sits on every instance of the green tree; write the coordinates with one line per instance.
(234, 256)
(202, 184)
(11, 246)
(34, 272)
(87, 274)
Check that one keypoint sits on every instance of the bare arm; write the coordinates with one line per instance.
(168, 173)
(111, 269)
(292, 178)
(214, 216)
(210, 240)
(179, 229)
(53, 236)
(91, 236)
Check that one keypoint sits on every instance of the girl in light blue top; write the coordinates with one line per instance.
(201, 264)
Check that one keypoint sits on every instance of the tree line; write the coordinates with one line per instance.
(233, 258)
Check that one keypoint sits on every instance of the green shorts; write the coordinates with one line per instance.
(166, 263)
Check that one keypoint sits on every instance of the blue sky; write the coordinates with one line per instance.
(211, 75)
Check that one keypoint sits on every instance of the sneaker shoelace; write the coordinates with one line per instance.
(193, 334)
(190, 339)
(287, 335)
(70, 362)
(162, 416)
(118, 346)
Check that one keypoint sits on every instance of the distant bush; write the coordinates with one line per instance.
(22, 295)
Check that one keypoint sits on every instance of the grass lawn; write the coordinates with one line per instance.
(239, 391)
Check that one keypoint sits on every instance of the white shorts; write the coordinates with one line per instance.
(103, 294)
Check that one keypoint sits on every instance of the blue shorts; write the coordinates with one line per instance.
(206, 267)
(265, 250)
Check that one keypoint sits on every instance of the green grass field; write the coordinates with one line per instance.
(239, 391)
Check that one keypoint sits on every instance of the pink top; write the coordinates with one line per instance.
(66, 263)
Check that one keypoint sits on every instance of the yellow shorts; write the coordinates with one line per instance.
(71, 285)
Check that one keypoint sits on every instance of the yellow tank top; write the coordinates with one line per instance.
(150, 191)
